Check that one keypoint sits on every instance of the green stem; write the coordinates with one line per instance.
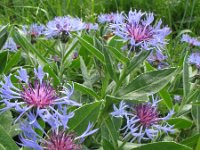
(62, 55)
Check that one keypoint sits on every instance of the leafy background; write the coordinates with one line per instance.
(95, 77)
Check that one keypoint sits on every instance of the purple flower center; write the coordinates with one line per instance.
(41, 95)
(147, 114)
(61, 141)
(139, 32)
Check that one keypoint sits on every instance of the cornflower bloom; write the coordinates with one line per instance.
(194, 59)
(10, 44)
(111, 18)
(90, 26)
(138, 30)
(192, 41)
(142, 121)
(61, 27)
(55, 139)
(177, 98)
(38, 98)
(156, 58)
(34, 30)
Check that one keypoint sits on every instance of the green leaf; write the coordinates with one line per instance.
(186, 83)
(51, 72)
(6, 122)
(3, 60)
(162, 146)
(167, 98)
(84, 70)
(134, 63)
(7, 141)
(13, 60)
(111, 130)
(147, 83)
(2, 147)
(180, 123)
(84, 115)
(127, 145)
(70, 48)
(109, 66)
(198, 145)
(196, 113)
(118, 55)
(22, 41)
(107, 145)
(191, 141)
(3, 36)
(94, 51)
(86, 90)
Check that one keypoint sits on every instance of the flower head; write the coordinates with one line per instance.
(90, 26)
(111, 18)
(194, 59)
(37, 97)
(10, 44)
(54, 139)
(139, 31)
(142, 121)
(61, 141)
(192, 41)
(34, 30)
(157, 58)
(63, 26)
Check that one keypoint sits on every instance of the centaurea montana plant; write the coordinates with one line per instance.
(10, 45)
(111, 18)
(157, 59)
(34, 30)
(90, 26)
(142, 121)
(38, 98)
(57, 138)
(139, 30)
(194, 59)
(61, 27)
(190, 40)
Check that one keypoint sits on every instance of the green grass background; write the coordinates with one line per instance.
(178, 14)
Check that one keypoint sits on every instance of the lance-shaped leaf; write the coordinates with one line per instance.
(84, 115)
(162, 146)
(134, 63)
(6, 142)
(13, 60)
(3, 60)
(3, 36)
(22, 41)
(93, 50)
(147, 83)
(117, 54)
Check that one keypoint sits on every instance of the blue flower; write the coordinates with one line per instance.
(34, 30)
(194, 59)
(192, 41)
(39, 97)
(10, 44)
(157, 58)
(55, 138)
(139, 31)
(111, 18)
(142, 121)
(90, 26)
(63, 25)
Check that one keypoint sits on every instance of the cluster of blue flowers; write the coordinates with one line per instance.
(194, 57)
(143, 121)
(39, 99)
(33, 99)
